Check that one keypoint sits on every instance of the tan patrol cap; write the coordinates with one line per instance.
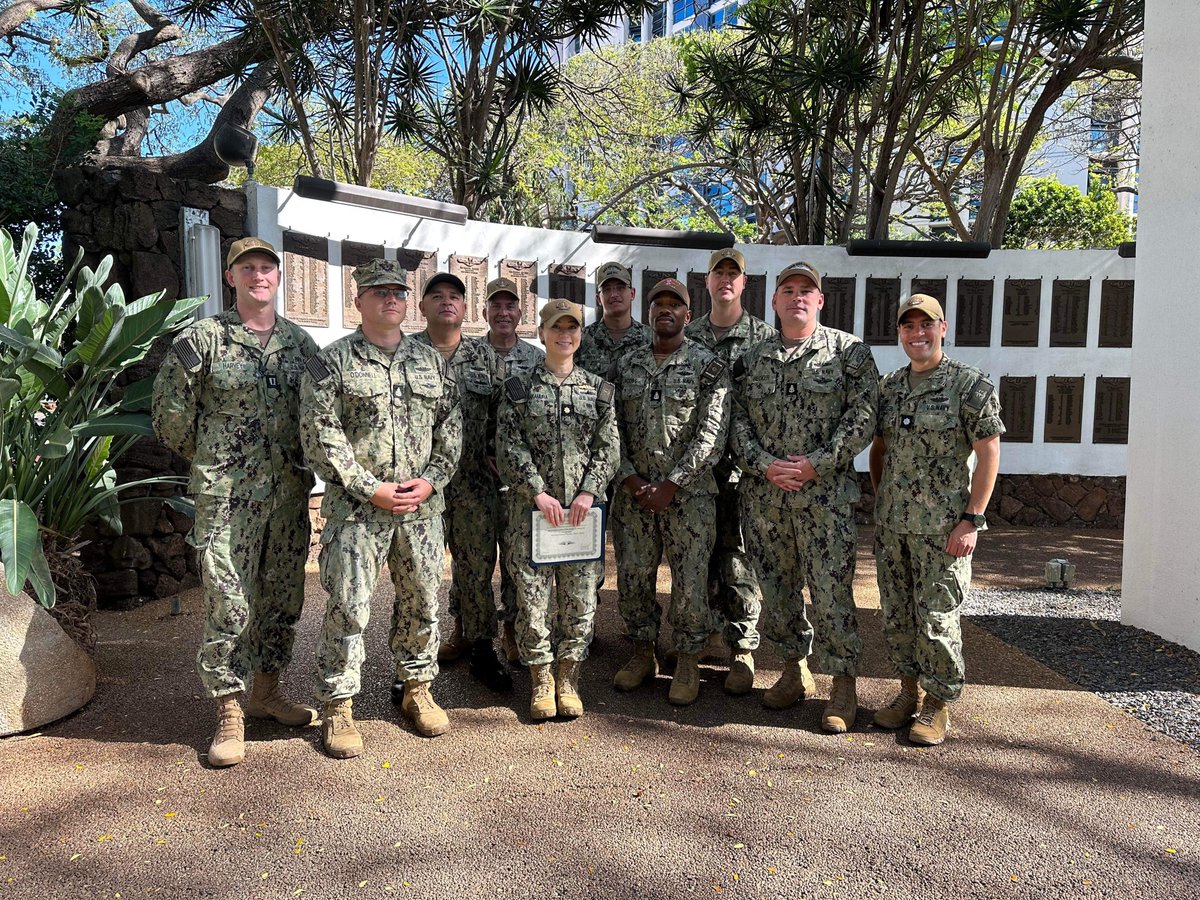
(729, 253)
(925, 304)
(500, 285)
(380, 271)
(808, 270)
(560, 309)
(672, 286)
(613, 269)
(249, 245)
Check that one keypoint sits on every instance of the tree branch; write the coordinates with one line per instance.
(13, 16)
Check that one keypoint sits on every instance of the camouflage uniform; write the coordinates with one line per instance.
(674, 419)
(597, 349)
(818, 401)
(470, 533)
(928, 431)
(231, 407)
(523, 358)
(562, 439)
(730, 577)
(370, 417)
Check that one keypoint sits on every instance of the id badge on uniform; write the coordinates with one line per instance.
(568, 543)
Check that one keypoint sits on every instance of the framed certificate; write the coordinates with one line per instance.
(568, 543)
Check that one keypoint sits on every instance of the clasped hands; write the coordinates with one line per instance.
(402, 498)
(791, 474)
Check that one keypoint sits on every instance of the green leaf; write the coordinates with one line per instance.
(8, 389)
(185, 505)
(18, 540)
(102, 336)
(58, 444)
(39, 577)
(119, 423)
(138, 395)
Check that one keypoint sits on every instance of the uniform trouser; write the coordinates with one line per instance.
(252, 555)
(921, 591)
(812, 546)
(471, 536)
(731, 577)
(685, 530)
(567, 613)
(500, 501)
(352, 557)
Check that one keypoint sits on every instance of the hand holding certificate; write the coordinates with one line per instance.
(566, 543)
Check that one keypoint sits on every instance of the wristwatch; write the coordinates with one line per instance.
(975, 519)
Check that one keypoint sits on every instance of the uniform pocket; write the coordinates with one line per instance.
(235, 389)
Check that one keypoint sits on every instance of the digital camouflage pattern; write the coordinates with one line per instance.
(818, 401)
(370, 417)
(470, 530)
(598, 350)
(231, 408)
(731, 583)
(673, 419)
(562, 439)
(925, 484)
(523, 357)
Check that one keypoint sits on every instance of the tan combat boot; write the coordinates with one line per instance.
(508, 643)
(641, 668)
(842, 707)
(566, 689)
(903, 706)
(741, 673)
(715, 650)
(685, 685)
(455, 644)
(793, 685)
(228, 747)
(339, 735)
(268, 702)
(427, 717)
(932, 724)
(542, 704)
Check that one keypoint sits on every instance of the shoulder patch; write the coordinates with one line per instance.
(980, 393)
(316, 368)
(185, 349)
(604, 393)
(517, 390)
(712, 372)
(858, 358)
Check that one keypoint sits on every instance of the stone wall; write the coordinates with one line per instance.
(134, 217)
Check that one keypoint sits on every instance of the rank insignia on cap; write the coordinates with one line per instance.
(316, 369)
(186, 351)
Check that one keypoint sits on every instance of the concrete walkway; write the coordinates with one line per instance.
(1043, 790)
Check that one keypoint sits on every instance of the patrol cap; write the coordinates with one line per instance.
(808, 270)
(380, 271)
(500, 285)
(613, 269)
(925, 304)
(560, 309)
(672, 286)
(444, 278)
(729, 253)
(249, 245)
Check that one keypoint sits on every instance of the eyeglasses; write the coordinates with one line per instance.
(385, 294)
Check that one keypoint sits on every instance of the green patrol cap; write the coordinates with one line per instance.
(380, 271)
(808, 270)
(500, 285)
(613, 269)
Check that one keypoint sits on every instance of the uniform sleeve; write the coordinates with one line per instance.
(982, 421)
(175, 405)
(513, 456)
(326, 447)
(447, 435)
(748, 451)
(625, 466)
(605, 453)
(712, 430)
(857, 424)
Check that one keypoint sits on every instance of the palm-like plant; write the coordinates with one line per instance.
(61, 430)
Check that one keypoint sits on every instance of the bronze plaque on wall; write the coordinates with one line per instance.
(882, 304)
(698, 291)
(934, 287)
(1069, 312)
(651, 277)
(473, 270)
(355, 254)
(1111, 422)
(1017, 398)
(420, 266)
(567, 283)
(1116, 313)
(838, 311)
(1022, 312)
(306, 280)
(524, 274)
(1064, 410)
(754, 296)
(973, 314)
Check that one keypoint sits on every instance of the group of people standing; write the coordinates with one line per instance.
(723, 443)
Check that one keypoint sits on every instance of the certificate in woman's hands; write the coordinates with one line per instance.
(568, 543)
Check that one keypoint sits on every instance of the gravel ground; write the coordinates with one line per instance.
(1078, 633)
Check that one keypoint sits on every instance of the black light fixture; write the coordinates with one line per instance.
(335, 192)
(662, 237)
(943, 249)
(1127, 249)
(236, 147)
